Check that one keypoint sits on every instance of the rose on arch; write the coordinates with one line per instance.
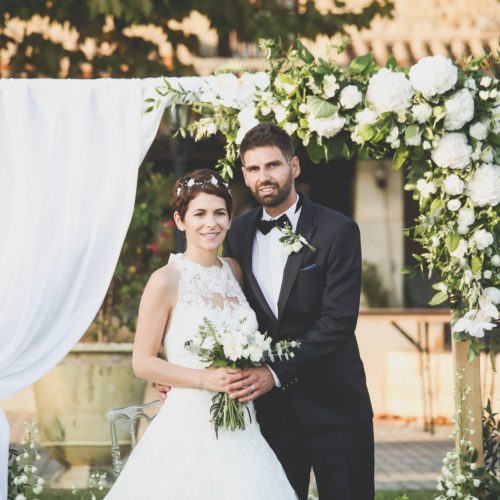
(483, 188)
(433, 75)
(452, 151)
(389, 91)
(459, 110)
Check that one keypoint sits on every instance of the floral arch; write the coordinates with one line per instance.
(440, 118)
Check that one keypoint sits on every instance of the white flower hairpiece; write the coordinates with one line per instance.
(190, 183)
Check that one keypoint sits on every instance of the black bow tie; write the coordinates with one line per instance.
(264, 226)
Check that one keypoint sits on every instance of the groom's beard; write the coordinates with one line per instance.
(282, 193)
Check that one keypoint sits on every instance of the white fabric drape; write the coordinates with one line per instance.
(69, 157)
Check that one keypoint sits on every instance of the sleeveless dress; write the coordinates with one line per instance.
(179, 456)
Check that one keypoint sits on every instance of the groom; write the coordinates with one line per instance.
(313, 409)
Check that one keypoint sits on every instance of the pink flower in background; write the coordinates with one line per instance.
(153, 247)
(169, 223)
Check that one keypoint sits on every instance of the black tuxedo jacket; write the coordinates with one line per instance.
(323, 385)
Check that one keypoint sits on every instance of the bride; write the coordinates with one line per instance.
(179, 456)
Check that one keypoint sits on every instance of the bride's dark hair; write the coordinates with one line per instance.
(198, 181)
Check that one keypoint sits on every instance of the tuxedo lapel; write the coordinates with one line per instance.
(248, 237)
(306, 229)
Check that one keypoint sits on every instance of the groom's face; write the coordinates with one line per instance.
(269, 175)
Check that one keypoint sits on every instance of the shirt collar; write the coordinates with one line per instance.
(290, 212)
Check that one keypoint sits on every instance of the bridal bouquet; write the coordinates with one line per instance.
(236, 347)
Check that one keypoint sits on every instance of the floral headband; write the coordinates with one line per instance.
(190, 183)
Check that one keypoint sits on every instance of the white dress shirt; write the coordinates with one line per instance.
(269, 260)
(269, 257)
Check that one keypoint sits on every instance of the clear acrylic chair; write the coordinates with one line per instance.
(131, 414)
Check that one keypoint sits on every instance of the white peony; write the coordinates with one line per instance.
(350, 97)
(330, 86)
(433, 75)
(366, 116)
(479, 131)
(426, 188)
(453, 205)
(389, 91)
(421, 112)
(452, 151)
(483, 188)
(454, 185)
(459, 110)
(483, 239)
(461, 249)
(326, 127)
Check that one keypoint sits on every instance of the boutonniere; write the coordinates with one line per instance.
(292, 241)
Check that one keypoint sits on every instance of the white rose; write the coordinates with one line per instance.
(484, 95)
(495, 260)
(487, 274)
(479, 131)
(454, 185)
(389, 91)
(330, 86)
(459, 110)
(452, 151)
(37, 489)
(326, 127)
(366, 116)
(453, 205)
(421, 112)
(485, 81)
(483, 188)
(426, 188)
(461, 249)
(393, 137)
(350, 96)
(483, 239)
(433, 75)
(466, 216)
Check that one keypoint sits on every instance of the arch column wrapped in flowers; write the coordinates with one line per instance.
(442, 120)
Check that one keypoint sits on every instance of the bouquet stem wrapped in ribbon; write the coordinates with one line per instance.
(235, 348)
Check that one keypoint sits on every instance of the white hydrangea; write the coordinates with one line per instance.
(453, 204)
(330, 86)
(389, 91)
(483, 239)
(426, 188)
(350, 97)
(483, 188)
(422, 112)
(433, 75)
(459, 110)
(453, 185)
(479, 131)
(452, 151)
(326, 127)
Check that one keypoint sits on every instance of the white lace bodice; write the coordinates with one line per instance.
(211, 292)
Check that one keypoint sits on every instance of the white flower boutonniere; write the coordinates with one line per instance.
(292, 241)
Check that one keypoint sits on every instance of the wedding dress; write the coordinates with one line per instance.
(179, 456)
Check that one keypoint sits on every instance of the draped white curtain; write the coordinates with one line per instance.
(69, 157)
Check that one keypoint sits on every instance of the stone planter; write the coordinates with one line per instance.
(73, 399)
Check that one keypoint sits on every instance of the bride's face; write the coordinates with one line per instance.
(206, 221)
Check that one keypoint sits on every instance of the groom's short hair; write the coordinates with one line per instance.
(267, 134)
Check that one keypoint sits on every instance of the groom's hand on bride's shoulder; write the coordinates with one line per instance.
(252, 383)
(162, 391)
